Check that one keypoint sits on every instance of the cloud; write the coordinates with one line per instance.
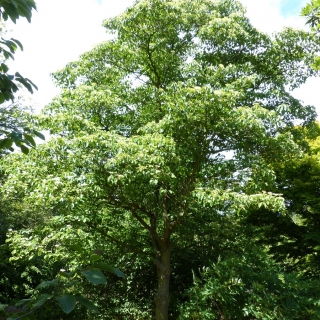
(266, 15)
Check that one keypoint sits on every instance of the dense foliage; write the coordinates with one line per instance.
(312, 12)
(170, 158)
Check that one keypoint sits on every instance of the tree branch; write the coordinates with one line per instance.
(118, 242)
(146, 226)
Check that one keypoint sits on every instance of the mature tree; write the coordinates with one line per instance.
(163, 131)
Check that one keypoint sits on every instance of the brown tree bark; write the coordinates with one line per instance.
(162, 298)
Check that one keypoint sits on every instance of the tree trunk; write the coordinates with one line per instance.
(162, 297)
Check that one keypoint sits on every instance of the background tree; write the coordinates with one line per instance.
(312, 12)
(11, 132)
(292, 238)
(163, 135)
(247, 284)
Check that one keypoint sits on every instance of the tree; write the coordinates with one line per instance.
(292, 238)
(312, 12)
(17, 127)
(249, 285)
(11, 132)
(166, 129)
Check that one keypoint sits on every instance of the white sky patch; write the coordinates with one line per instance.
(265, 15)
(61, 30)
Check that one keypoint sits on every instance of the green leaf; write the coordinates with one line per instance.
(87, 303)
(39, 135)
(25, 83)
(95, 257)
(14, 3)
(42, 299)
(4, 67)
(94, 276)
(72, 283)
(66, 274)
(18, 43)
(23, 301)
(6, 143)
(5, 16)
(30, 139)
(76, 247)
(67, 303)
(24, 12)
(2, 99)
(16, 136)
(24, 149)
(12, 46)
(27, 79)
(106, 267)
(47, 283)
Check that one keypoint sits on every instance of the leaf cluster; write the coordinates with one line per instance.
(312, 12)
(9, 84)
(14, 9)
(68, 288)
(250, 285)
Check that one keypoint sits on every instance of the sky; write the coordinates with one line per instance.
(290, 7)
(61, 30)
